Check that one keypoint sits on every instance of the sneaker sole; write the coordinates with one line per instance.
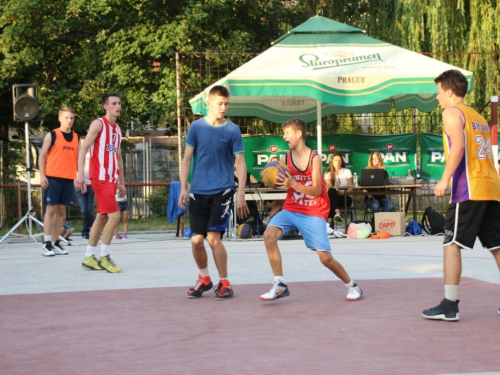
(442, 317)
(48, 255)
(207, 288)
(90, 268)
(66, 253)
(356, 299)
(217, 298)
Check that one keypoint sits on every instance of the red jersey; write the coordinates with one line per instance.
(104, 153)
(301, 203)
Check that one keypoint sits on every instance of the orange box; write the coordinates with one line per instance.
(391, 222)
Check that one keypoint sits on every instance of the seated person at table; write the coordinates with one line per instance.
(377, 202)
(335, 176)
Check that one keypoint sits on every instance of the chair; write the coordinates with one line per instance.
(345, 212)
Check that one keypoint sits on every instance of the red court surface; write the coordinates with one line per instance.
(314, 331)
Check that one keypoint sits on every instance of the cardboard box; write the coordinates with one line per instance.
(391, 222)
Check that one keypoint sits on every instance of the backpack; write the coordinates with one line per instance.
(432, 221)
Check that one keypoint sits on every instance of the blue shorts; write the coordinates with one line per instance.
(123, 206)
(60, 191)
(312, 228)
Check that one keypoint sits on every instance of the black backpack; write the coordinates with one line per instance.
(432, 221)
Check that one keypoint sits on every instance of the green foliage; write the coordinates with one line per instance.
(158, 202)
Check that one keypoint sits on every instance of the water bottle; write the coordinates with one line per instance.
(355, 179)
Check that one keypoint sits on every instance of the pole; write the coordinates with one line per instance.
(179, 110)
(318, 126)
(29, 217)
(494, 129)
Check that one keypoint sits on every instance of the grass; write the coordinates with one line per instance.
(134, 225)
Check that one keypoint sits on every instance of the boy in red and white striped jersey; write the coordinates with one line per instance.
(106, 175)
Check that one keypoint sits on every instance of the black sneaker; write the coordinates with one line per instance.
(202, 285)
(446, 310)
(223, 290)
(58, 249)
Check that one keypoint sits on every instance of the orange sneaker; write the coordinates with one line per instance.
(202, 285)
(223, 290)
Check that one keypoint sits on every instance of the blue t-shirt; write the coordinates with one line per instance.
(213, 156)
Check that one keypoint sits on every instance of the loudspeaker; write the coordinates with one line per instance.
(25, 102)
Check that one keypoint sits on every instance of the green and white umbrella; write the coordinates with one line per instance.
(324, 67)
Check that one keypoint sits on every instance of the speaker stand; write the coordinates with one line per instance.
(28, 218)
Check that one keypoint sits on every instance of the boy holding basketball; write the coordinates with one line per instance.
(306, 208)
(213, 143)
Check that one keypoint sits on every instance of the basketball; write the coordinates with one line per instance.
(244, 231)
(271, 171)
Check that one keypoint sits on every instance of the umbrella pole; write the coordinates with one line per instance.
(318, 126)
(494, 128)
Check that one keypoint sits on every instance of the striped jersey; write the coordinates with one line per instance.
(104, 153)
(301, 203)
(476, 177)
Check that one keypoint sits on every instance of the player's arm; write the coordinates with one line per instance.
(185, 168)
(94, 129)
(42, 160)
(453, 125)
(241, 168)
(313, 190)
(121, 175)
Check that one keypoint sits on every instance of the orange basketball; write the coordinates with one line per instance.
(271, 171)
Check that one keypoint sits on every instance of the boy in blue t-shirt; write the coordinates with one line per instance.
(213, 143)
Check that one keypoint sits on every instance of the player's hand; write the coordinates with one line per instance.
(44, 182)
(122, 189)
(440, 188)
(285, 181)
(241, 206)
(182, 200)
(80, 184)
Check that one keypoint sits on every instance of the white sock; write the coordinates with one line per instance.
(104, 250)
(204, 272)
(451, 292)
(278, 279)
(90, 250)
(350, 284)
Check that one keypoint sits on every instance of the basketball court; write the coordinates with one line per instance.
(58, 318)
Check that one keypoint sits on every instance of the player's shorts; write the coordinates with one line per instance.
(60, 191)
(210, 213)
(312, 228)
(104, 192)
(123, 206)
(467, 220)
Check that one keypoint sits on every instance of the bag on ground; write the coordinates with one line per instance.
(432, 221)
(414, 228)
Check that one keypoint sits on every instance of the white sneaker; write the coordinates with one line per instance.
(354, 292)
(338, 234)
(279, 290)
(329, 229)
(337, 217)
(58, 249)
(48, 251)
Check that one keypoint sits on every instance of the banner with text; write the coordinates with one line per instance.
(432, 155)
(398, 151)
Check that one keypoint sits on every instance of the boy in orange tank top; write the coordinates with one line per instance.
(58, 167)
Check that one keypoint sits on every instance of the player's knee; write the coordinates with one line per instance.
(272, 235)
(197, 241)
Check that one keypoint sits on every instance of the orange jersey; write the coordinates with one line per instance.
(476, 177)
(62, 158)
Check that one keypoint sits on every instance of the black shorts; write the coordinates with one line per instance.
(209, 213)
(467, 220)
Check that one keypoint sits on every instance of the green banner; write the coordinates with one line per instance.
(398, 151)
(432, 155)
